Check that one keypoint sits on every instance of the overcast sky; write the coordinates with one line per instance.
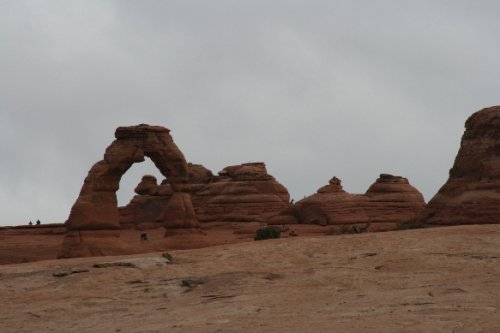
(313, 88)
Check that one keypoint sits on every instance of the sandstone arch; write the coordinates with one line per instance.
(96, 207)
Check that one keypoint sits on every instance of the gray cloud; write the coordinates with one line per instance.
(313, 88)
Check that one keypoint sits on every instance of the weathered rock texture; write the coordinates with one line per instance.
(389, 201)
(239, 193)
(95, 214)
(472, 193)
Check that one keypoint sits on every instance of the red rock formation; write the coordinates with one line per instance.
(146, 209)
(198, 174)
(389, 201)
(93, 222)
(240, 193)
(472, 193)
(179, 212)
(147, 186)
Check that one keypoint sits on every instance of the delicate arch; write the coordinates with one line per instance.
(96, 207)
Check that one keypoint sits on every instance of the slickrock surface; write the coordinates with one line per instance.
(26, 244)
(472, 193)
(389, 201)
(93, 222)
(427, 280)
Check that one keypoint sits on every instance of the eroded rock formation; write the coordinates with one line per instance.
(146, 209)
(94, 222)
(472, 193)
(389, 201)
(239, 193)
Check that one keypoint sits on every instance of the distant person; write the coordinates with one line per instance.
(292, 201)
(38, 222)
(144, 236)
(31, 223)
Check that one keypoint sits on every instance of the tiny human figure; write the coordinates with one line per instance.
(144, 236)
(38, 222)
(292, 201)
(31, 223)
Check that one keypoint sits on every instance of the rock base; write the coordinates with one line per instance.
(90, 243)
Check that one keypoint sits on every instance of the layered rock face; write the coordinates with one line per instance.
(472, 193)
(389, 201)
(94, 222)
(239, 193)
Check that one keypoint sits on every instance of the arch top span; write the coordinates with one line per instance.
(156, 143)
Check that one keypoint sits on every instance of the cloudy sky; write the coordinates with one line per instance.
(314, 88)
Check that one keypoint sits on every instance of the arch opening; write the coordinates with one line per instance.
(133, 177)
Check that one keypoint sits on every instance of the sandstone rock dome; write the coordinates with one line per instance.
(388, 201)
(472, 193)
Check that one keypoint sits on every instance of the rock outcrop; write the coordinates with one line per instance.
(147, 186)
(146, 209)
(389, 201)
(239, 193)
(94, 222)
(472, 193)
